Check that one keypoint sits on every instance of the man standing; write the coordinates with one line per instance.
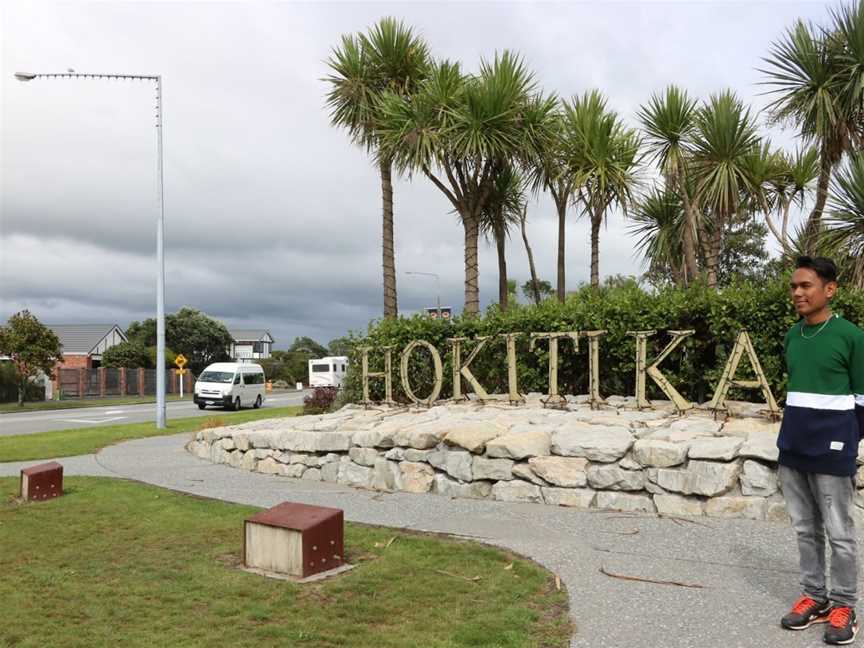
(822, 424)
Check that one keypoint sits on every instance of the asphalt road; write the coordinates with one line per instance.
(47, 420)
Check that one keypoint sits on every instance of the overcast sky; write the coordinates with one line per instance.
(272, 216)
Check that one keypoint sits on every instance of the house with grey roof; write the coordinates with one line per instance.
(84, 344)
(250, 344)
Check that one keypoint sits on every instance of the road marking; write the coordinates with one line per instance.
(91, 421)
(109, 412)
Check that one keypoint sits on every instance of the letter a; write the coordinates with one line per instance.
(743, 344)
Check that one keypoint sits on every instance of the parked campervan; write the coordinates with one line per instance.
(328, 372)
(230, 384)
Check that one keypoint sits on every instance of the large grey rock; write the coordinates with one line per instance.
(757, 479)
(423, 436)
(395, 454)
(309, 441)
(748, 426)
(697, 425)
(292, 470)
(752, 508)
(416, 477)
(575, 497)
(612, 500)
(270, 466)
(707, 478)
(494, 469)
(386, 475)
(456, 463)
(561, 471)
(669, 504)
(613, 477)
(354, 475)
(474, 436)
(444, 485)
(629, 463)
(760, 446)
(519, 446)
(312, 474)
(720, 448)
(330, 471)
(249, 461)
(363, 456)
(659, 454)
(516, 491)
(413, 454)
(377, 437)
(596, 443)
(524, 471)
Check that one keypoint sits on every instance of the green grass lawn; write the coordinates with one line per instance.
(77, 441)
(31, 406)
(117, 563)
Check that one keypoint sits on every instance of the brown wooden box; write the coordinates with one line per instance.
(41, 482)
(294, 539)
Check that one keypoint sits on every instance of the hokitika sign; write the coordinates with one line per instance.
(644, 370)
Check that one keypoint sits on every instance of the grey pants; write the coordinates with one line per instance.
(820, 505)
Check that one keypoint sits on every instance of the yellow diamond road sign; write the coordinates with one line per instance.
(180, 361)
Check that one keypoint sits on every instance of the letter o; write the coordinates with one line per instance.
(439, 371)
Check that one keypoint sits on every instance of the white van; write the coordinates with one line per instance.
(328, 372)
(230, 384)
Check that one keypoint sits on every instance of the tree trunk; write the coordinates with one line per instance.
(596, 221)
(503, 291)
(785, 230)
(814, 222)
(535, 287)
(688, 240)
(389, 259)
(22, 391)
(472, 292)
(714, 247)
(561, 204)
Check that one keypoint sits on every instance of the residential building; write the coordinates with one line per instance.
(250, 344)
(84, 344)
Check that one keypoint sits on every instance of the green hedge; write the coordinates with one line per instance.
(9, 385)
(694, 368)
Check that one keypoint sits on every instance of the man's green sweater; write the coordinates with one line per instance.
(824, 416)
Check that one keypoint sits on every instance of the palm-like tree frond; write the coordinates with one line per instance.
(803, 70)
(657, 222)
(667, 120)
(845, 222)
(725, 135)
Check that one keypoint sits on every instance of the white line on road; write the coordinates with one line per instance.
(109, 412)
(91, 421)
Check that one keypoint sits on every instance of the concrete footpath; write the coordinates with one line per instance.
(743, 573)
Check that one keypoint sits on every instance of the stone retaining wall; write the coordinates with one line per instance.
(614, 458)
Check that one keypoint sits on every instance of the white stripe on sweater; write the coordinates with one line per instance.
(821, 401)
(859, 400)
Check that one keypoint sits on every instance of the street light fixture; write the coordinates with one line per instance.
(437, 282)
(160, 222)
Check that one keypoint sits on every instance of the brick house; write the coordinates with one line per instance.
(84, 344)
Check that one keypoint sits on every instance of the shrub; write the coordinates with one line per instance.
(9, 386)
(320, 400)
(694, 368)
(211, 422)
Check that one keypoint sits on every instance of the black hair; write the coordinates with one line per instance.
(822, 266)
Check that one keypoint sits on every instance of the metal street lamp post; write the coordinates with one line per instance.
(160, 222)
(437, 282)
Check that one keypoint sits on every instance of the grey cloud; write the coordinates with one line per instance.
(273, 216)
